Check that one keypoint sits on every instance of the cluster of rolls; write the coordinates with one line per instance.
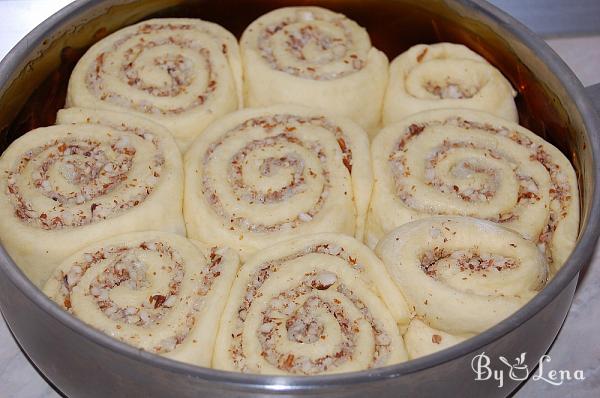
(292, 204)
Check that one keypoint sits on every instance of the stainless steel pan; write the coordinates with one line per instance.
(85, 363)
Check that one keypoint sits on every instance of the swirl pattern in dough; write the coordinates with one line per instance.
(463, 162)
(446, 75)
(311, 305)
(461, 274)
(259, 176)
(314, 57)
(181, 73)
(99, 174)
(154, 290)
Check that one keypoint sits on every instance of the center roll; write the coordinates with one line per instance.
(260, 176)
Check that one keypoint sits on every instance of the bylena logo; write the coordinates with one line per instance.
(518, 370)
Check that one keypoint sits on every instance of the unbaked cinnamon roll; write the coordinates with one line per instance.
(181, 73)
(463, 162)
(446, 75)
(156, 291)
(259, 176)
(311, 305)
(314, 57)
(461, 274)
(66, 186)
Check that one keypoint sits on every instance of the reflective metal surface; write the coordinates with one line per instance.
(84, 362)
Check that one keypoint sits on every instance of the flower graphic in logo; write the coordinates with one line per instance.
(519, 370)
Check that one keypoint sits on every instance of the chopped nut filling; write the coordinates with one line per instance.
(178, 67)
(465, 260)
(333, 49)
(451, 90)
(93, 169)
(122, 267)
(294, 310)
(281, 134)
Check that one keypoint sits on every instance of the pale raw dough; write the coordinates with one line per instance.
(259, 176)
(461, 274)
(314, 57)
(422, 340)
(154, 290)
(100, 174)
(464, 162)
(182, 73)
(446, 75)
(295, 305)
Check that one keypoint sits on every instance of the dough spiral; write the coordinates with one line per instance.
(181, 73)
(461, 274)
(310, 306)
(314, 57)
(66, 186)
(156, 291)
(259, 176)
(446, 75)
(463, 162)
